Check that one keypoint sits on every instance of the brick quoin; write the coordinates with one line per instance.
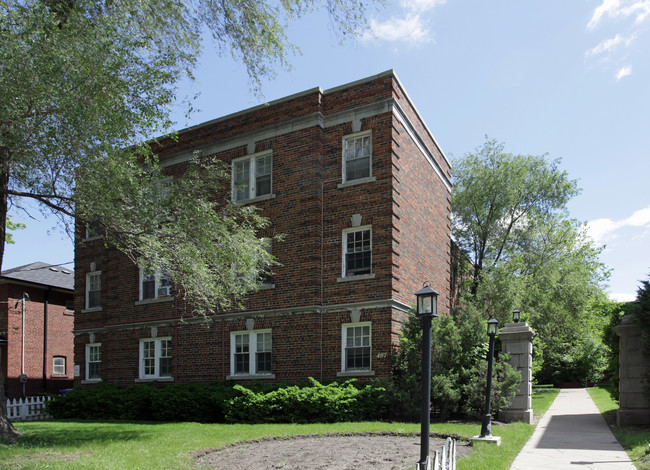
(405, 202)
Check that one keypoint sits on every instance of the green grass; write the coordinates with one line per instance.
(635, 440)
(127, 445)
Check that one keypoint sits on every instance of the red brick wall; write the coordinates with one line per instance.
(60, 340)
(407, 206)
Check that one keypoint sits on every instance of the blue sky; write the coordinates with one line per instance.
(565, 78)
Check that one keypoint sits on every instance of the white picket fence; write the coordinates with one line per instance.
(27, 409)
(446, 460)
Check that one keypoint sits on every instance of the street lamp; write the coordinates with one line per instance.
(427, 308)
(516, 315)
(486, 426)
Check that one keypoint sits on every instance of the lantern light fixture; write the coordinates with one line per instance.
(427, 302)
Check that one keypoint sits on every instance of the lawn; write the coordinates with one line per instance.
(635, 440)
(127, 445)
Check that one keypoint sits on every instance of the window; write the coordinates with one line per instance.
(264, 271)
(357, 250)
(250, 353)
(93, 230)
(94, 290)
(154, 286)
(93, 361)
(357, 152)
(59, 365)
(155, 358)
(356, 347)
(265, 276)
(251, 177)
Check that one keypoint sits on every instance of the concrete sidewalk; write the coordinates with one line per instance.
(572, 434)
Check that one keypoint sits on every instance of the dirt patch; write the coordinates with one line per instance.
(329, 451)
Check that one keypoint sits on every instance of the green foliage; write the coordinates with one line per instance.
(642, 316)
(510, 217)
(317, 403)
(143, 212)
(192, 402)
(458, 368)
(11, 225)
(220, 402)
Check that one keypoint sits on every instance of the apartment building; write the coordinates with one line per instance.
(360, 190)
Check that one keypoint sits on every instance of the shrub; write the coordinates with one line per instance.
(310, 404)
(458, 368)
(191, 402)
(216, 402)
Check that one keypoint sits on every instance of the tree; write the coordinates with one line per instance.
(641, 312)
(82, 82)
(11, 226)
(458, 368)
(510, 218)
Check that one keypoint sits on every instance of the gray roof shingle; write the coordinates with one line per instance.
(42, 273)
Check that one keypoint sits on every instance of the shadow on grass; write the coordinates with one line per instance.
(38, 434)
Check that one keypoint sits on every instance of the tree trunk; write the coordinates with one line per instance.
(7, 430)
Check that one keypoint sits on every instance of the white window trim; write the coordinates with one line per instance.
(156, 375)
(157, 298)
(344, 248)
(251, 178)
(88, 276)
(356, 372)
(344, 177)
(87, 357)
(54, 366)
(252, 344)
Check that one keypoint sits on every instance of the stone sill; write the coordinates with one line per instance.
(360, 277)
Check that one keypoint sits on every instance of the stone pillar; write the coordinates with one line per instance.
(633, 405)
(517, 340)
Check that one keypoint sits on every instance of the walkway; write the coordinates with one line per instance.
(571, 435)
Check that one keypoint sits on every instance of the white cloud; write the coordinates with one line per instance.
(639, 9)
(607, 7)
(609, 45)
(602, 230)
(420, 6)
(409, 29)
(623, 72)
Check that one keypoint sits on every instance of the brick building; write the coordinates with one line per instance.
(354, 180)
(36, 323)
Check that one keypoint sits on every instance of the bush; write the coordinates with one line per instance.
(317, 403)
(150, 402)
(219, 401)
(458, 368)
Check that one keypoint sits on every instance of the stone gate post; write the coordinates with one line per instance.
(633, 405)
(517, 340)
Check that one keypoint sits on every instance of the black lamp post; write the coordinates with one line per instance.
(427, 308)
(516, 315)
(486, 427)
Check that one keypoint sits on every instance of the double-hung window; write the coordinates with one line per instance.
(357, 156)
(94, 290)
(250, 353)
(357, 350)
(357, 251)
(93, 361)
(155, 358)
(58, 366)
(252, 176)
(154, 285)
